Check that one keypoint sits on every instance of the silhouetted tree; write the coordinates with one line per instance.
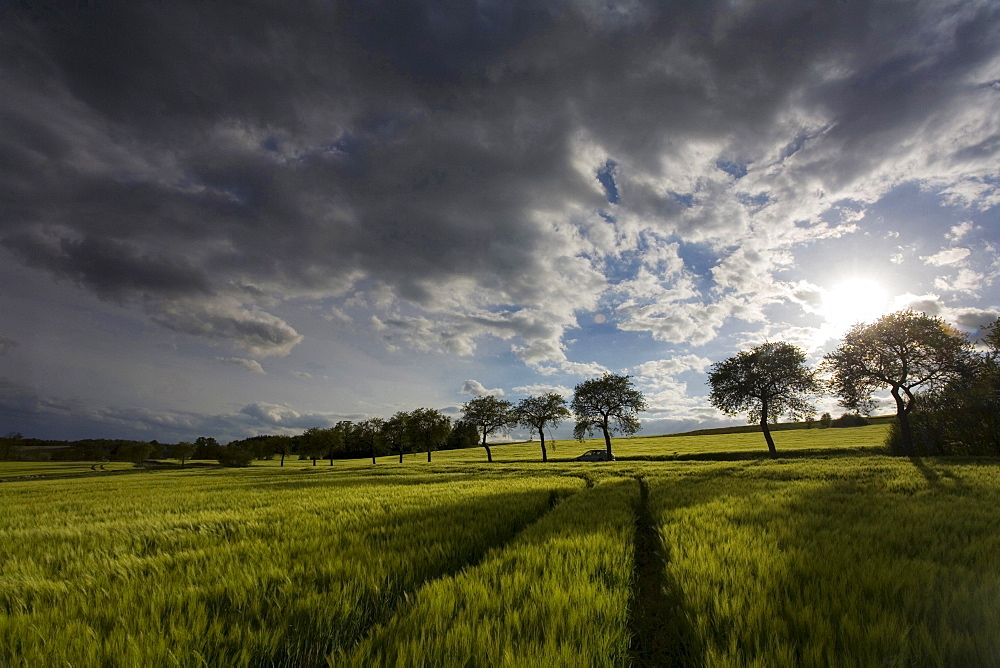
(136, 452)
(767, 381)
(314, 443)
(369, 432)
(490, 415)
(234, 454)
(335, 441)
(9, 443)
(282, 445)
(463, 435)
(537, 413)
(183, 451)
(901, 351)
(963, 417)
(395, 433)
(609, 403)
(427, 428)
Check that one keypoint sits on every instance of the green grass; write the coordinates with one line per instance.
(557, 596)
(831, 555)
(234, 567)
(866, 562)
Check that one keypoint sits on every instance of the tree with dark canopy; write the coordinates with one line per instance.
(490, 415)
(395, 433)
(901, 351)
(369, 432)
(428, 428)
(182, 451)
(609, 403)
(767, 381)
(537, 413)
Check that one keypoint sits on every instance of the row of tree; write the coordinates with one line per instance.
(609, 404)
(947, 397)
(419, 430)
(946, 393)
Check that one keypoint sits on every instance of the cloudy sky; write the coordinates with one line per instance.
(224, 220)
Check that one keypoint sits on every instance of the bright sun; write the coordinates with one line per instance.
(852, 301)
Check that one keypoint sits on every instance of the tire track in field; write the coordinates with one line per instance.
(555, 498)
(662, 634)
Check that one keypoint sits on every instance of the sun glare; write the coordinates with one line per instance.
(853, 301)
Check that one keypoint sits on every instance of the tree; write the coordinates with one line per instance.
(608, 403)
(334, 441)
(9, 443)
(767, 381)
(369, 432)
(539, 412)
(282, 445)
(183, 451)
(315, 443)
(395, 433)
(136, 452)
(463, 435)
(428, 428)
(962, 417)
(901, 351)
(490, 415)
(238, 454)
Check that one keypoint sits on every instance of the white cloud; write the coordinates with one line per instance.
(476, 389)
(539, 389)
(946, 256)
(967, 281)
(653, 370)
(958, 231)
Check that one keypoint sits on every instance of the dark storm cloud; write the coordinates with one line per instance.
(110, 268)
(456, 157)
(6, 345)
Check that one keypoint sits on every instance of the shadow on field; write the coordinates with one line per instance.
(662, 633)
(868, 545)
(310, 640)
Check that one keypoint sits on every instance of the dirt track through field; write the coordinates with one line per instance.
(662, 634)
(554, 499)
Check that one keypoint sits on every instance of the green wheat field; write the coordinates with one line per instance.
(686, 551)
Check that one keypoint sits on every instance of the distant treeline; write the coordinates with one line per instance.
(346, 440)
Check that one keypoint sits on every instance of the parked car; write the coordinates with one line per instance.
(595, 456)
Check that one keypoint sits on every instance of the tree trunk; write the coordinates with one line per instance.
(903, 417)
(373, 455)
(767, 437)
(282, 459)
(331, 460)
(489, 455)
(428, 456)
(401, 455)
(314, 461)
(545, 456)
(607, 440)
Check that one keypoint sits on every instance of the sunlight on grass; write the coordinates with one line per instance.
(831, 555)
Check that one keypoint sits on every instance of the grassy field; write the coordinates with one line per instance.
(686, 551)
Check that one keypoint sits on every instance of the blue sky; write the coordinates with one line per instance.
(225, 223)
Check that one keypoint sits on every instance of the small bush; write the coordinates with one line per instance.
(234, 456)
(850, 420)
